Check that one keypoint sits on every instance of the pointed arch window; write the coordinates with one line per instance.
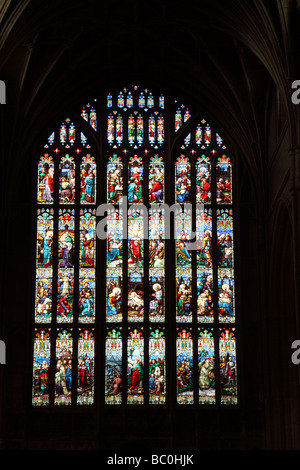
(165, 332)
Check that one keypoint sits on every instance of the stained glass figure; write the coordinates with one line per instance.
(63, 134)
(151, 130)
(157, 295)
(109, 100)
(114, 180)
(207, 135)
(86, 366)
(161, 101)
(93, 118)
(43, 297)
(64, 366)
(156, 238)
(183, 234)
(72, 134)
(88, 177)
(135, 180)
(114, 274)
(183, 180)
(228, 371)
(44, 254)
(205, 313)
(198, 135)
(224, 184)
(87, 293)
(135, 296)
(65, 295)
(66, 238)
(135, 238)
(160, 130)
(114, 238)
(156, 265)
(225, 238)
(84, 114)
(45, 179)
(203, 180)
(184, 295)
(67, 180)
(120, 103)
(204, 237)
(119, 130)
(184, 360)
(41, 367)
(89, 114)
(157, 366)
(141, 100)
(140, 130)
(150, 101)
(114, 300)
(131, 130)
(156, 180)
(135, 366)
(110, 129)
(206, 367)
(87, 238)
(178, 120)
(113, 366)
(226, 295)
(129, 100)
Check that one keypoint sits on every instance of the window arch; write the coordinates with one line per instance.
(149, 309)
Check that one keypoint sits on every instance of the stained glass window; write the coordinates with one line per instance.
(110, 222)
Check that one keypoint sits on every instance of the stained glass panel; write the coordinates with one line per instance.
(224, 182)
(66, 238)
(183, 180)
(88, 178)
(204, 236)
(203, 180)
(184, 359)
(156, 265)
(113, 366)
(228, 375)
(205, 312)
(114, 273)
(135, 366)
(43, 299)
(206, 366)
(86, 366)
(67, 180)
(64, 364)
(46, 179)
(87, 294)
(135, 180)
(87, 238)
(114, 180)
(226, 295)
(65, 295)
(44, 255)
(156, 180)
(157, 366)
(41, 367)
(225, 238)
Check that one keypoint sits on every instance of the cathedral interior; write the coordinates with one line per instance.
(236, 61)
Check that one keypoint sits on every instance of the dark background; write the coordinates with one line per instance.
(233, 59)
